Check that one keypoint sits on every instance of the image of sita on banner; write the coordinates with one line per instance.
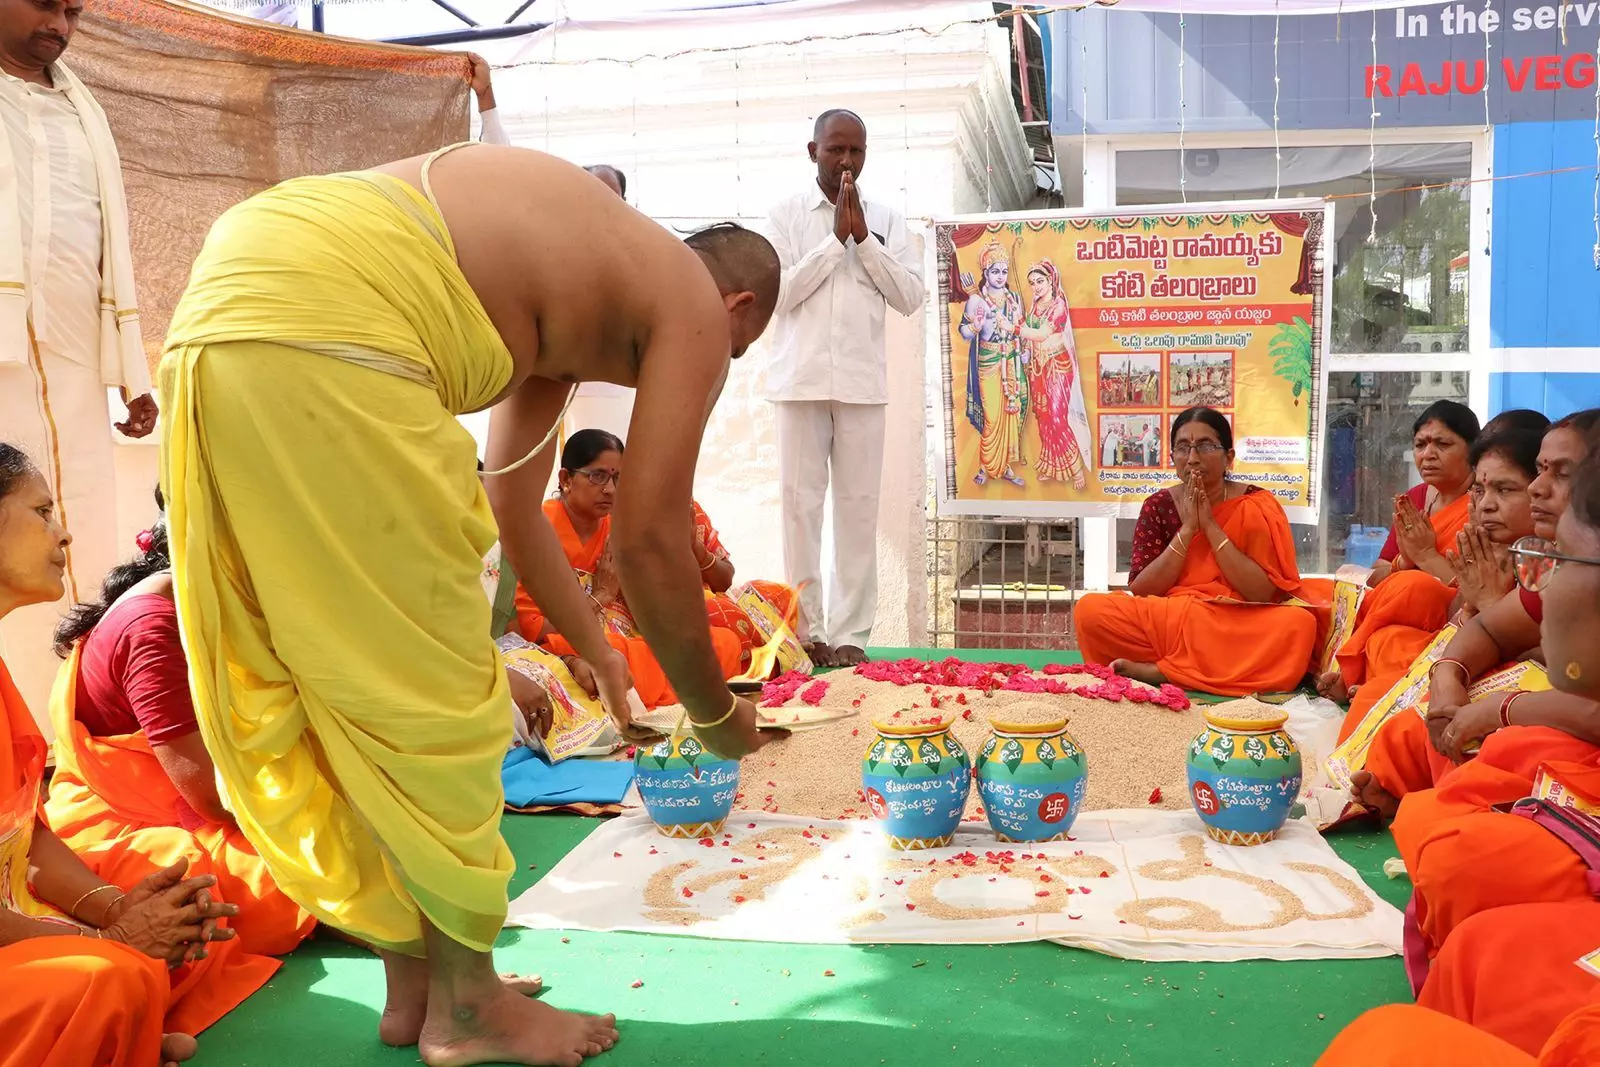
(1072, 340)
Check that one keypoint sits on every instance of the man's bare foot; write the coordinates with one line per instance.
(848, 656)
(821, 654)
(1371, 794)
(1148, 673)
(175, 1048)
(1331, 685)
(512, 1029)
(405, 1010)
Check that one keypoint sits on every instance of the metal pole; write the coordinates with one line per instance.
(467, 35)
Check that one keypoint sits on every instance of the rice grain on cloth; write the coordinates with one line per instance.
(1133, 749)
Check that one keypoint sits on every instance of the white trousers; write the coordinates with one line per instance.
(814, 439)
(55, 410)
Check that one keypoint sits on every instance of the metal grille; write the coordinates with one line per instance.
(1002, 583)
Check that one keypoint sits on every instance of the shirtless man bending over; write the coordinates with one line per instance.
(328, 524)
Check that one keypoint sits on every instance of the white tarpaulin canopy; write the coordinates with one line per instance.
(602, 11)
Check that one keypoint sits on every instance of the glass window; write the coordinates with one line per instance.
(1399, 286)
(1366, 463)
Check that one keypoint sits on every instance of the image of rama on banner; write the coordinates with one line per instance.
(1070, 342)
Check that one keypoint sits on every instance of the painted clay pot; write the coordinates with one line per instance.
(1032, 778)
(916, 778)
(1244, 775)
(687, 790)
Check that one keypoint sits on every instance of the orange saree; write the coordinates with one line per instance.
(724, 611)
(113, 804)
(50, 977)
(1397, 619)
(1539, 945)
(1449, 836)
(621, 632)
(1199, 634)
(1403, 1035)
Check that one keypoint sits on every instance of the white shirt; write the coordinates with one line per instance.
(58, 204)
(491, 130)
(828, 327)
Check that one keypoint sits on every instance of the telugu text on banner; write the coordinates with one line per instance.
(1070, 341)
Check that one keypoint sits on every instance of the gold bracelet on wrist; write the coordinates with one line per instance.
(720, 720)
(76, 904)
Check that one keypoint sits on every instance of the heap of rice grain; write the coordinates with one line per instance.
(1133, 749)
(1247, 709)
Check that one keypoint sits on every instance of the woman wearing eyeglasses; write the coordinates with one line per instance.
(1511, 897)
(591, 469)
(1464, 855)
(1407, 755)
(1413, 583)
(1207, 539)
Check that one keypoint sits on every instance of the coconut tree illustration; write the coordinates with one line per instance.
(1291, 352)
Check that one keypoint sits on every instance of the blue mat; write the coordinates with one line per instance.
(530, 781)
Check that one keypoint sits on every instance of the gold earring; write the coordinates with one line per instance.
(1574, 672)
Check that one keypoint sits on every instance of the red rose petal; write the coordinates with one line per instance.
(637, 984)
(1155, 797)
(738, 900)
(911, 907)
(687, 892)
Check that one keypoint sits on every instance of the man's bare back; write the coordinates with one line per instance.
(572, 277)
(583, 288)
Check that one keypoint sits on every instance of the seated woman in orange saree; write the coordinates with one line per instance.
(134, 788)
(1411, 596)
(1403, 758)
(1544, 745)
(1214, 561)
(1404, 1035)
(591, 466)
(723, 600)
(90, 972)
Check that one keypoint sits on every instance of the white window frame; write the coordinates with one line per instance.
(1099, 191)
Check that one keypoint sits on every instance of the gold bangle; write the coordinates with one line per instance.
(76, 904)
(1225, 543)
(718, 721)
(708, 564)
(1182, 549)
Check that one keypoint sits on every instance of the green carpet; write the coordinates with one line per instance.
(733, 1003)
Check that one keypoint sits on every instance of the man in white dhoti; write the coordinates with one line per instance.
(844, 257)
(69, 324)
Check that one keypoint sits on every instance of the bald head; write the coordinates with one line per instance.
(838, 145)
(741, 262)
(843, 116)
(614, 178)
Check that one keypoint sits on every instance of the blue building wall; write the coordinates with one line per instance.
(1544, 318)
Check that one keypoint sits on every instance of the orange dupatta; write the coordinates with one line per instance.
(1255, 522)
(1446, 523)
(113, 804)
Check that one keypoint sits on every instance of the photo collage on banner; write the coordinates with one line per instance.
(1069, 342)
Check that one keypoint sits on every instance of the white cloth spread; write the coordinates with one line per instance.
(1144, 885)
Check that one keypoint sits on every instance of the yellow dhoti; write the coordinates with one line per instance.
(328, 530)
(1000, 447)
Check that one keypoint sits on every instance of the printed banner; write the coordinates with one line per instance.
(1069, 342)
